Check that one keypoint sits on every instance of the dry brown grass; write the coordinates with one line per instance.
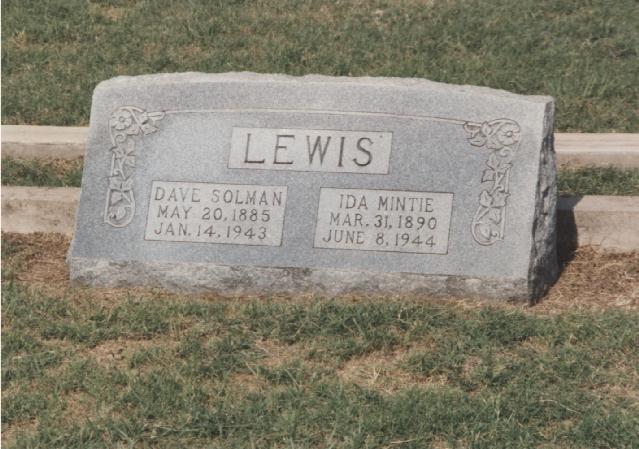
(117, 353)
(10, 433)
(596, 280)
(111, 13)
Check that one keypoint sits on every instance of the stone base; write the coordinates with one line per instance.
(233, 281)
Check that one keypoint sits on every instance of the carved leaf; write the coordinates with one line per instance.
(485, 199)
(115, 183)
(118, 151)
(147, 128)
(478, 141)
(494, 215)
(493, 143)
(129, 160)
(472, 128)
(489, 175)
(484, 231)
(127, 185)
(123, 149)
(475, 136)
(116, 197)
(499, 199)
(494, 162)
(486, 129)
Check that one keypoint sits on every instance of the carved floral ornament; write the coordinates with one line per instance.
(502, 136)
(124, 124)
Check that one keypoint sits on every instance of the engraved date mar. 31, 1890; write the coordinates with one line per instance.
(383, 220)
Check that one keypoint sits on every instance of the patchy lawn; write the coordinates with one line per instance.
(584, 54)
(45, 173)
(143, 368)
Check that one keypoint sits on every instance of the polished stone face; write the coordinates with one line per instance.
(244, 183)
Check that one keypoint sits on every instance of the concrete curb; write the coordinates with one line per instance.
(43, 142)
(575, 150)
(608, 223)
(39, 209)
(583, 150)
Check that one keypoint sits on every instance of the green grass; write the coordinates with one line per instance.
(193, 373)
(586, 54)
(582, 181)
(41, 173)
(599, 181)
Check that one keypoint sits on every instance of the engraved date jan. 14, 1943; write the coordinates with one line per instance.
(216, 213)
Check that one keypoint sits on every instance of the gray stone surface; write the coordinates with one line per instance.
(241, 183)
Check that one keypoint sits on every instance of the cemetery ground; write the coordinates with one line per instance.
(582, 53)
(142, 368)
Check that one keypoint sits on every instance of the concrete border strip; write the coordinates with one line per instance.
(573, 149)
(606, 149)
(39, 209)
(44, 142)
(605, 222)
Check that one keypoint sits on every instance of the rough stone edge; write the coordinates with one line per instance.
(544, 268)
(234, 281)
(229, 77)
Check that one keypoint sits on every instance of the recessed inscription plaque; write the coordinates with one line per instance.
(383, 220)
(216, 213)
(323, 150)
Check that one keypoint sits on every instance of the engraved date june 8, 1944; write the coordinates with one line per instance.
(383, 220)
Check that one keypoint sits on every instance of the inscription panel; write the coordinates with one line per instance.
(383, 220)
(322, 150)
(216, 213)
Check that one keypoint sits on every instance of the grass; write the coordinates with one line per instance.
(54, 173)
(185, 373)
(598, 181)
(582, 181)
(583, 53)
(117, 368)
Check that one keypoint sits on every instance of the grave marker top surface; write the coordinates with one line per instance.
(247, 183)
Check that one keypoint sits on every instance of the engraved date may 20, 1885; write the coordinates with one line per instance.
(383, 220)
(216, 213)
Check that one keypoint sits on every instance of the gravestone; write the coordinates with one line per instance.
(243, 183)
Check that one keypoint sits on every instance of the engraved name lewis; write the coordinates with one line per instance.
(383, 220)
(311, 150)
(216, 213)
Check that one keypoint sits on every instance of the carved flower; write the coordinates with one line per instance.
(508, 134)
(122, 119)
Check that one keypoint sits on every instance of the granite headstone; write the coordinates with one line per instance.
(242, 183)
